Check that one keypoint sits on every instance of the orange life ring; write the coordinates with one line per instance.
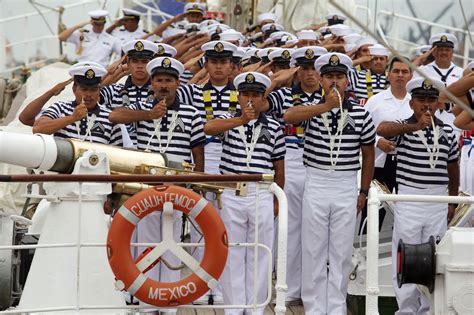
(130, 278)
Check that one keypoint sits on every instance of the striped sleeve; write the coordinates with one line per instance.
(367, 136)
(54, 111)
(185, 94)
(116, 136)
(279, 150)
(453, 153)
(223, 136)
(197, 130)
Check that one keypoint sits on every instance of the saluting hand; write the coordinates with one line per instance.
(80, 112)
(58, 88)
(158, 110)
(424, 121)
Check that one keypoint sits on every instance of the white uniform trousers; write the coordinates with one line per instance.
(212, 160)
(327, 235)
(238, 214)
(295, 171)
(414, 223)
(463, 168)
(149, 231)
(470, 169)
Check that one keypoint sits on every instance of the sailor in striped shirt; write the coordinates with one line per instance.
(252, 143)
(366, 83)
(336, 132)
(308, 90)
(137, 86)
(82, 118)
(427, 164)
(167, 126)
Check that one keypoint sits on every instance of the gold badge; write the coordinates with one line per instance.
(249, 78)
(195, 6)
(309, 54)
(194, 28)
(427, 85)
(334, 60)
(273, 27)
(218, 30)
(139, 46)
(166, 63)
(285, 54)
(219, 47)
(334, 18)
(90, 74)
(161, 50)
(444, 38)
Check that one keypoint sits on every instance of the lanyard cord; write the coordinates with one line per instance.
(338, 135)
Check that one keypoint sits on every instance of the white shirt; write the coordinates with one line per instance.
(97, 47)
(385, 107)
(125, 36)
(430, 71)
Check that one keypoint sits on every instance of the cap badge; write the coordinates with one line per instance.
(139, 46)
(219, 47)
(249, 78)
(444, 38)
(285, 54)
(161, 50)
(273, 27)
(195, 6)
(166, 63)
(90, 74)
(309, 54)
(334, 18)
(218, 30)
(334, 60)
(427, 85)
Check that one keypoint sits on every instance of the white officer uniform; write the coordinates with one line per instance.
(330, 196)
(180, 130)
(96, 126)
(249, 149)
(125, 36)
(91, 46)
(280, 101)
(427, 154)
(446, 75)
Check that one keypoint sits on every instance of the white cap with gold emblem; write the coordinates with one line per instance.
(307, 55)
(87, 73)
(252, 81)
(165, 65)
(140, 48)
(424, 88)
(195, 7)
(280, 56)
(443, 40)
(218, 49)
(165, 50)
(333, 62)
(98, 16)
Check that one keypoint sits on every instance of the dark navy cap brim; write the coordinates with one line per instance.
(328, 68)
(421, 92)
(83, 81)
(443, 44)
(256, 87)
(218, 55)
(144, 54)
(161, 70)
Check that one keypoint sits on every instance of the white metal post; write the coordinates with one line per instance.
(371, 300)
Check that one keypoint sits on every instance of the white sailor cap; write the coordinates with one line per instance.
(131, 14)
(238, 55)
(335, 18)
(98, 16)
(266, 17)
(87, 73)
(340, 30)
(365, 40)
(307, 34)
(231, 35)
(263, 54)
(333, 62)
(252, 55)
(422, 87)
(470, 65)
(269, 28)
(307, 55)
(352, 38)
(171, 31)
(192, 28)
(195, 7)
(218, 49)
(443, 40)
(140, 48)
(280, 56)
(325, 30)
(165, 50)
(288, 39)
(165, 65)
(379, 50)
(208, 23)
(420, 50)
(252, 81)
(215, 30)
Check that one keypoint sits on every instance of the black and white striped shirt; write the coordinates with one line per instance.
(118, 94)
(269, 147)
(185, 77)
(365, 84)
(187, 133)
(413, 158)
(283, 99)
(209, 101)
(358, 129)
(101, 131)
